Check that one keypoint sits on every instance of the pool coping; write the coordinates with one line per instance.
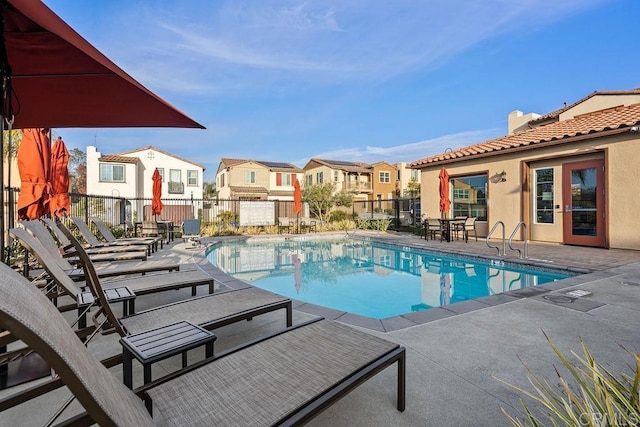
(407, 320)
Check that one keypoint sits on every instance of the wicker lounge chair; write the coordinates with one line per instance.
(285, 379)
(106, 233)
(104, 269)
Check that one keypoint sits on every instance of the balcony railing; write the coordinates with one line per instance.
(175, 187)
(360, 186)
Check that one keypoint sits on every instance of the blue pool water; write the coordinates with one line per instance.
(366, 277)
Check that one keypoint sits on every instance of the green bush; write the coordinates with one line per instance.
(338, 215)
(602, 398)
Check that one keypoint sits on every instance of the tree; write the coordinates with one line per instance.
(209, 190)
(321, 199)
(77, 171)
(413, 188)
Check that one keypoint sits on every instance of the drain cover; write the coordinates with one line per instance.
(560, 299)
(630, 283)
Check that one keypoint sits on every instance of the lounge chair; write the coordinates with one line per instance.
(140, 285)
(209, 311)
(93, 241)
(121, 253)
(119, 268)
(108, 236)
(285, 379)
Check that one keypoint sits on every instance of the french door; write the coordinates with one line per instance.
(583, 203)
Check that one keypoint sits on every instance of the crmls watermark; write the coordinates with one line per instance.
(608, 420)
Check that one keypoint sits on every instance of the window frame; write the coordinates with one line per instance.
(190, 171)
(386, 175)
(538, 195)
(171, 174)
(249, 177)
(111, 167)
(475, 203)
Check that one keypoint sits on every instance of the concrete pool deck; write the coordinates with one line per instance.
(453, 360)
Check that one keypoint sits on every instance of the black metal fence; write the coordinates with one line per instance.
(119, 211)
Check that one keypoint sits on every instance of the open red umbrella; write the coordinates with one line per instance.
(156, 202)
(34, 160)
(59, 203)
(445, 203)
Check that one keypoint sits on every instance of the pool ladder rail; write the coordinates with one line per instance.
(521, 254)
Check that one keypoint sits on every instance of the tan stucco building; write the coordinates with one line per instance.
(244, 179)
(570, 177)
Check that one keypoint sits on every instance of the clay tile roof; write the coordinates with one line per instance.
(589, 124)
(116, 158)
(272, 166)
(151, 147)
(555, 114)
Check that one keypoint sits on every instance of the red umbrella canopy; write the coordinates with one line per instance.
(59, 203)
(445, 203)
(156, 202)
(34, 164)
(297, 197)
(47, 59)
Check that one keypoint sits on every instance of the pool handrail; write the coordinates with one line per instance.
(521, 254)
(504, 250)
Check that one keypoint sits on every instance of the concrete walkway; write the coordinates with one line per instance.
(453, 362)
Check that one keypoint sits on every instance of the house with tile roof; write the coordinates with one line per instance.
(570, 176)
(243, 179)
(127, 175)
(356, 177)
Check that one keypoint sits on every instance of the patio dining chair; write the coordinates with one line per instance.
(309, 368)
(469, 226)
(432, 228)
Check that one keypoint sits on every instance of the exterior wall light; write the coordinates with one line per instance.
(503, 176)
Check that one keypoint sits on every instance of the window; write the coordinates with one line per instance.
(287, 179)
(335, 176)
(222, 180)
(543, 197)
(175, 175)
(319, 177)
(161, 171)
(309, 179)
(397, 174)
(415, 174)
(111, 173)
(469, 196)
(250, 177)
(385, 177)
(192, 177)
(283, 179)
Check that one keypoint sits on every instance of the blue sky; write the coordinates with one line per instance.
(359, 80)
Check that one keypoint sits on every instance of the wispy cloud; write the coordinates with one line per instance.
(408, 152)
(334, 41)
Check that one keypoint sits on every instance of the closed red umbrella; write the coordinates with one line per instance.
(34, 164)
(297, 201)
(297, 197)
(59, 203)
(445, 203)
(156, 202)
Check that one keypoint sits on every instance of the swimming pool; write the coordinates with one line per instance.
(368, 278)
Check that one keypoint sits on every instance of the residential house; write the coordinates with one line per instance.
(404, 175)
(256, 179)
(348, 176)
(127, 175)
(383, 186)
(569, 177)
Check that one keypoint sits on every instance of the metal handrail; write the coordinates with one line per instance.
(526, 241)
(504, 250)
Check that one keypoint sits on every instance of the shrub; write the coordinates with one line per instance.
(602, 398)
(337, 216)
